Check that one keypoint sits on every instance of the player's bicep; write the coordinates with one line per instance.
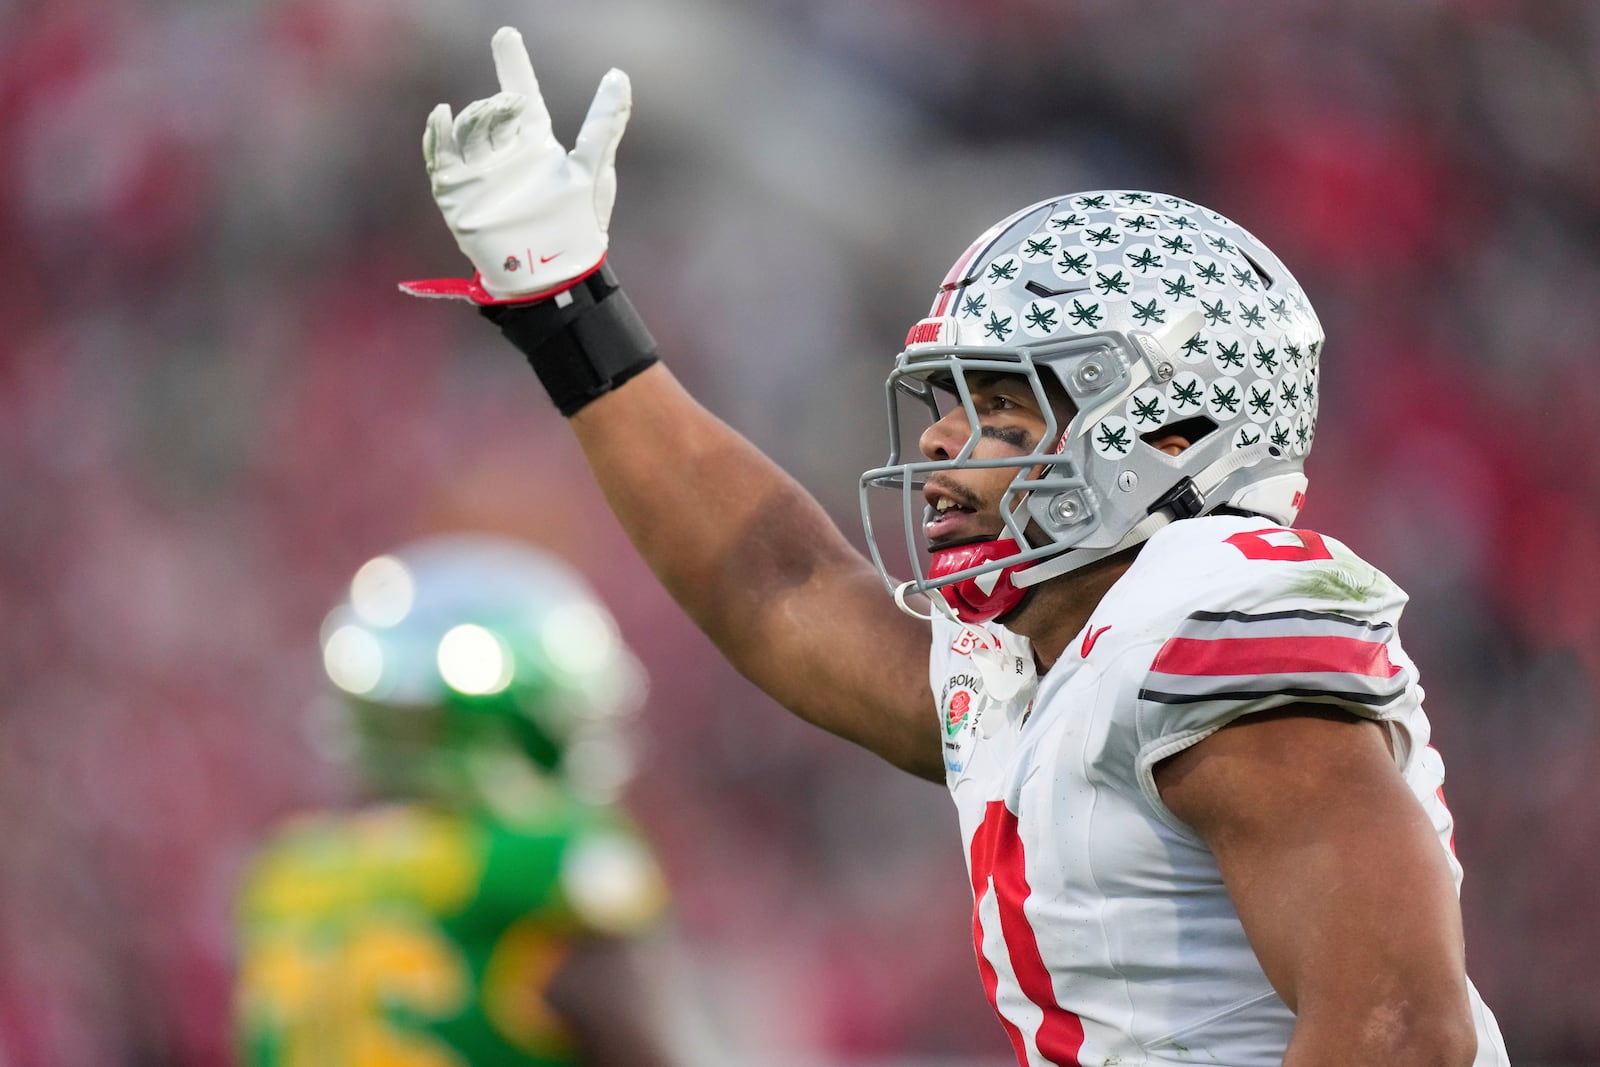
(1337, 874)
(838, 653)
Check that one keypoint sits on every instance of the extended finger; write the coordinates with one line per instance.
(596, 147)
(515, 71)
(439, 149)
(487, 125)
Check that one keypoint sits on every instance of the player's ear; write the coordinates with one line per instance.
(1170, 443)
(1174, 437)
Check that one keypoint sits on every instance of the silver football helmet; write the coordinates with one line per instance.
(1150, 313)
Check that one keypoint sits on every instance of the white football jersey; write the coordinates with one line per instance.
(1104, 932)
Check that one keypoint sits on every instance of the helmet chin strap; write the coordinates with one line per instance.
(941, 608)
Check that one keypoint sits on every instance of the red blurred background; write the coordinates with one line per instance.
(214, 405)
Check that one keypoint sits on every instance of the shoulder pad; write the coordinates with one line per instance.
(1271, 616)
(1246, 564)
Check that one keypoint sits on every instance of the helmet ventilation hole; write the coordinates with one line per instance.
(1266, 279)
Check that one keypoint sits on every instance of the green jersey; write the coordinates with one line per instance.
(413, 936)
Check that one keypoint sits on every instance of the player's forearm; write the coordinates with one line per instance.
(726, 530)
(761, 568)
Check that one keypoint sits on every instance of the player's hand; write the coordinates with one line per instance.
(531, 216)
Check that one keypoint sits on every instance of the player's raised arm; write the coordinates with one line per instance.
(746, 551)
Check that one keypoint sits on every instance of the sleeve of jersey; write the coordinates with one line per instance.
(1320, 632)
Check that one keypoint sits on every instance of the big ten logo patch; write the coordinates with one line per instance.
(971, 638)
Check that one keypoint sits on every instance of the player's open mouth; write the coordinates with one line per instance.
(951, 515)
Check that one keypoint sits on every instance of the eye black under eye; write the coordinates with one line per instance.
(1014, 436)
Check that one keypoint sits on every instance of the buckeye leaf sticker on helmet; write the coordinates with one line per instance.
(1153, 316)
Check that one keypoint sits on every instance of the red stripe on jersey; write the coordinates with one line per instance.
(1452, 841)
(1443, 803)
(1225, 656)
(991, 984)
(997, 859)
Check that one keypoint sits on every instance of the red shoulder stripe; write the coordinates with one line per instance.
(1234, 656)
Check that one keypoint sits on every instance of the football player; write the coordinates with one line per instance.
(1201, 814)
(492, 905)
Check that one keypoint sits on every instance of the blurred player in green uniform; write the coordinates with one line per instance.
(492, 905)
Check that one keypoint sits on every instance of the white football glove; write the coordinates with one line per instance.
(531, 216)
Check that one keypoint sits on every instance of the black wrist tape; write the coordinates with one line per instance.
(582, 349)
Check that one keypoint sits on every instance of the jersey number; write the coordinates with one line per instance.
(310, 1003)
(1293, 546)
(997, 867)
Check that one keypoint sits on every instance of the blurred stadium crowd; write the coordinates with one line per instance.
(214, 404)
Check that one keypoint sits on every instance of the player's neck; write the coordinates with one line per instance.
(1059, 607)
